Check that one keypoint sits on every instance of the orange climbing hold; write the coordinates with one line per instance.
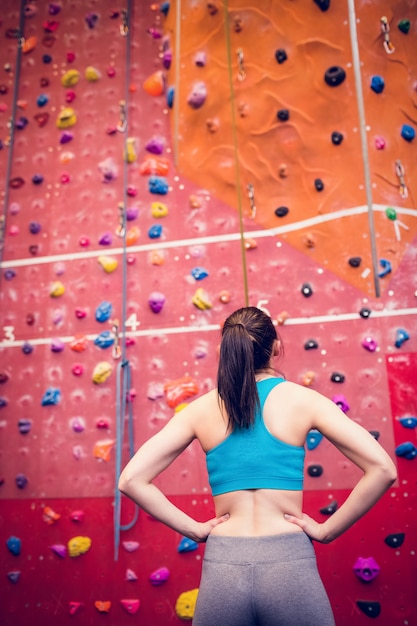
(29, 44)
(178, 390)
(102, 449)
(156, 257)
(132, 236)
(49, 516)
(102, 607)
(154, 85)
(79, 343)
(157, 166)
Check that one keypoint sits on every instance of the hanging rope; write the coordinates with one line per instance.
(236, 151)
(364, 140)
(123, 380)
(177, 81)
(12, 122)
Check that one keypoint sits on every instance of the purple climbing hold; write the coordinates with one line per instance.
(59, 549)
(57, 345)
(155, 145)
(54, 8)
(198, 95)
(369, 344)
(106, 239)
(367, 569)
(3, 403)
(27, 348)
(21, 123)
(91, 20)
(167, 59)
(13, 576)
(78, 425)
(24, 425)
(9, 274)
(66, 137)
(21, 481)
(37, 179)
(132, 213)
(35, 228)
(159, 576)
(156, 301)
(341, 402)
(14, 545)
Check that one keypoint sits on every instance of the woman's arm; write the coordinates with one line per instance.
(358, 445)
(149, 461)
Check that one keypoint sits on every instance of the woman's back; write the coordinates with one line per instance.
(257, 511)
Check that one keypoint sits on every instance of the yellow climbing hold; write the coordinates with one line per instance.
(70, 78)
(185, 604)
(57, 289)
(108, 263)
(66, 118)
(159, 209)
(130, 154)
(201, 300)
(91, 74)
(180, 407)
(101, 372)
(79, 545)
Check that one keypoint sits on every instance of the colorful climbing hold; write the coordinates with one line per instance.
(73, 607)
(131, 606)
(408, 422)
(51, 397)
(341, 402)
(406, 450)
(101, 372)
(156, 301)
(187, 545)
(158, 185)
(401, 336)
(102, 606)
(102, 449)
(314, 437)
(14, 545)
(59, 549)
(159, 209)
(109, 264)
(330, 508)
(185, 604)
(367, 569)
(154, 85)
(104, 340)
(78, 545)
(395, 540)
(370, 608)
(103, 311)
(334, 76)
(315, 470)
(201, 300)
(159, 576)
(49, 516)
(377, 84)
(197, 97)
(369, 344)
(407, 132)
(179, 389)
(404, 26)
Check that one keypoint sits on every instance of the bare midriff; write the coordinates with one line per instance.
(257, 512)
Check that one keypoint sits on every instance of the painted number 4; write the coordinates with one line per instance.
(132, 322)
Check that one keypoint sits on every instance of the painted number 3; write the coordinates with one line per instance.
(8, 334)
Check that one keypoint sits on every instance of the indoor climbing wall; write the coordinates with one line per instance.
(163, 164)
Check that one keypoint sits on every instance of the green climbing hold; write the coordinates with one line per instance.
(404, 26)
(391, 213)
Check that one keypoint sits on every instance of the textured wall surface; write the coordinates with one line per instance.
(174, 175)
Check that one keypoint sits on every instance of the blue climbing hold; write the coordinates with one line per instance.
(155, 231)
(407, 450)
(386, 267)
(407, 132)
(187, 545)
(377, 84)
(314, 437)
(158, 185)
(408, 422)
(42, 100)
(104, 339)
(52, 396)
(199, 273)
(170, 97)
(103, 311)
(401, 336)
(14, 544)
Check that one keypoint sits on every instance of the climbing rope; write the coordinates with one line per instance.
(236, 151)
(177, 81)
(123, 375)
(20, 40)
(364, 141)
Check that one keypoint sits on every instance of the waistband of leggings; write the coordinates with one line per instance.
(284, 547)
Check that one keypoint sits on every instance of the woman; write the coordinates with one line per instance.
(259, 564)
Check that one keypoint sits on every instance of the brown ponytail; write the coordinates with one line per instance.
(247, 344)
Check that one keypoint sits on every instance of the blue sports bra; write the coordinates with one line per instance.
(252, 458)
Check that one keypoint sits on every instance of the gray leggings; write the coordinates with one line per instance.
(261, 581)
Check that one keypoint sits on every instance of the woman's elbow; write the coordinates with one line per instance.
(390, 472)
(125, 482)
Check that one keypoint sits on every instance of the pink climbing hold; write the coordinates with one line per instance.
(77, 516)
(130, 546)
(159, 576)
(380, 143)
(130, 575)
(73, 607)
(131, 606)
(59, 549)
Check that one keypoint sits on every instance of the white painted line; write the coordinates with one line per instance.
(318, 319)
(213, 239)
